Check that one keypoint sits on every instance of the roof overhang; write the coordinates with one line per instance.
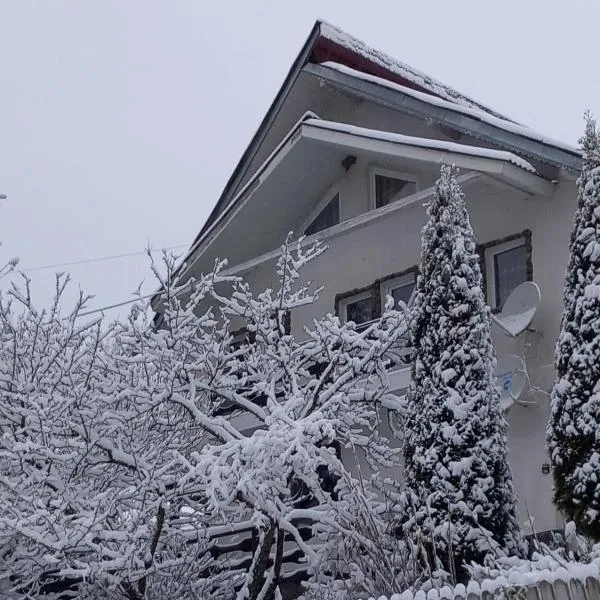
(496, 163)
(327, 43)
(308, 161)
(502, 133)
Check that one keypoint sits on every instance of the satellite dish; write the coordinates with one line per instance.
(511, 380)
(519, 309)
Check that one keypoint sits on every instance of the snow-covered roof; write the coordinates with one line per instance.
(420, 142)
(336, 35)
(329, 43)
(479, 114)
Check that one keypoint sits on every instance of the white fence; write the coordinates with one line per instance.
(542, 579)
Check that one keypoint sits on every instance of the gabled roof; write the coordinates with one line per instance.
(328, 45)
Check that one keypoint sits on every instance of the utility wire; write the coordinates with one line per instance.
(102, 309)
(125, 302)
(99, 259)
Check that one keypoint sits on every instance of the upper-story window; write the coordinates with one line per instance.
(327, 216)
(399, 288)
(507, 264)
(390, 186)
(358, 308)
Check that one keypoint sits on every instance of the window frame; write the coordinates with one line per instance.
(386, 286)
(374, 290)
(391, 173)
(490, 249)
(327, 197)
(356, 296)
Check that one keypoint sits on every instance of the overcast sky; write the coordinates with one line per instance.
(121, 120)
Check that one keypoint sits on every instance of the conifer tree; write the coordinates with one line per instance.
(455, 448)
(574, 425)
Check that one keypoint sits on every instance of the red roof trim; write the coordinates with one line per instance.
(326, 50)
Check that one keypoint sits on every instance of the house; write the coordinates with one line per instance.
(348, 153)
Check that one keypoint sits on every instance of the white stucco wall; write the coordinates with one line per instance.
(360, 256)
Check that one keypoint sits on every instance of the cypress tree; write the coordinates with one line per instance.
(573, 433)
(455, 447)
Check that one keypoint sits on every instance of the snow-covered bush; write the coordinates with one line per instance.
(457, 473)
(156, 462)
(574, 423)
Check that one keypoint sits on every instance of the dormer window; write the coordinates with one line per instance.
(326, 218)
(389, 186)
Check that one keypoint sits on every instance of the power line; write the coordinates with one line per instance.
(125, 302)
(102, 309)
(99, 259)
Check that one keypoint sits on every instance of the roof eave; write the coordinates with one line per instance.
(496, 166)
(466, 124)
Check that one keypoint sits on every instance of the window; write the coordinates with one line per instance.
(358, 308)
(507, 264)
(366, 304)
(388, 187)
(327, 217)
(400, 288)
(510, 269)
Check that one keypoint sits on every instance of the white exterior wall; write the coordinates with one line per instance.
(359, 256)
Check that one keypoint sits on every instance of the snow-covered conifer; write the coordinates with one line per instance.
(574, 425)
(455, 448)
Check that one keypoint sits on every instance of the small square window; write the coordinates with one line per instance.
(327, 218)
(358, 308)
(388, 188)
(507, 266)
(399, 288)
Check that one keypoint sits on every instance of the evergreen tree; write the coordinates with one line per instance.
(455, 449)
(573, 430)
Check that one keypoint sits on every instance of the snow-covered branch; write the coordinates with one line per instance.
(140, 461)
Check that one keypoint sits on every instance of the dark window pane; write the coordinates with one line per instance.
(390, 189)
(403, 293)
(327, 218)
(510, 269)
(360, 311)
